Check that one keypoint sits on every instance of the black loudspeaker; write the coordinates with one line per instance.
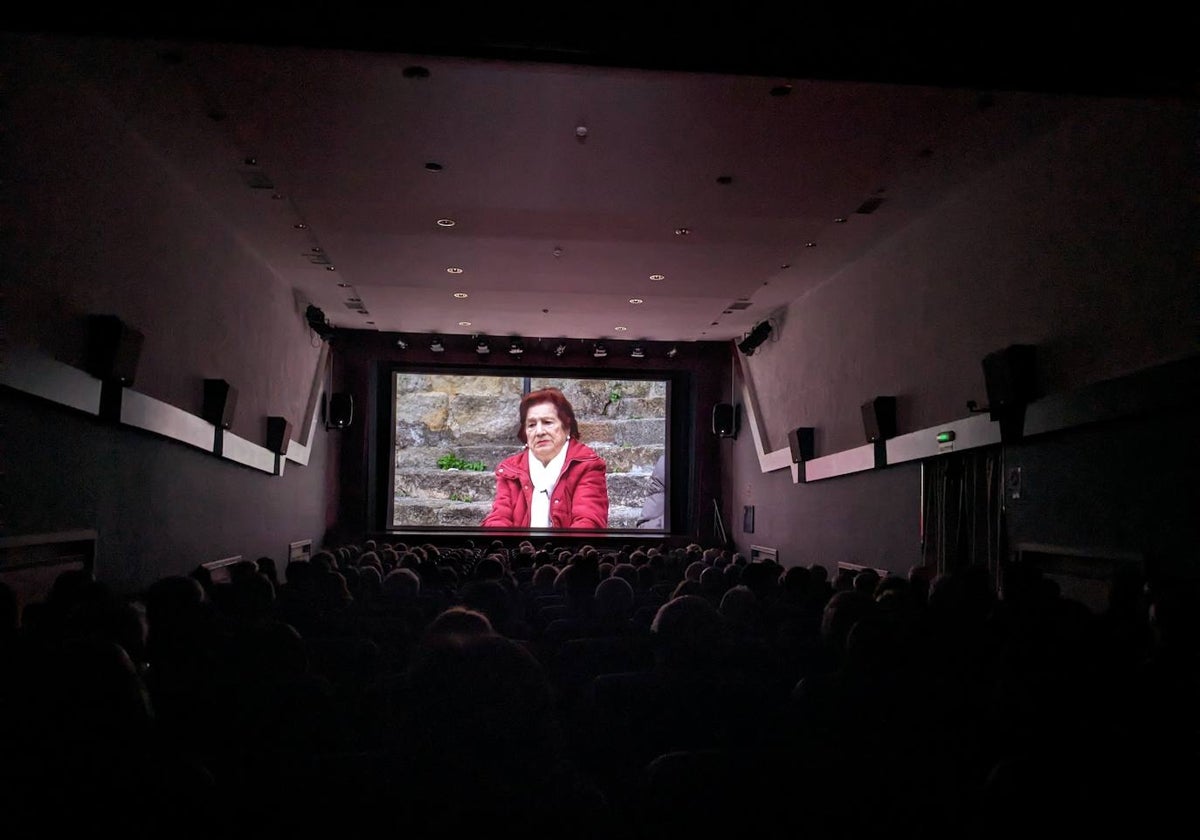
(279, 433)
(220, 399)
(340, 410)
(879, 418)
(725, 420)
(113, 348)
(1009, 375)
(801, 443)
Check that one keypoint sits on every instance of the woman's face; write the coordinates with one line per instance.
(544, 432)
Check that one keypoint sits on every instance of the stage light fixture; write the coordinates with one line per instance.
(515, 347)
(599, 351)
(559, 349)
(637, 352)
(436, 345)
(673, 352)
(755, 337)
(482, 347)
(401, 343)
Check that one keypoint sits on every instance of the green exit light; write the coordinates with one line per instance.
(945, 437)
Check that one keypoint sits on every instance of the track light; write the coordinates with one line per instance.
(559, 349)
(515, 347)
(599, 351)
(673, 352)
(637, 352)
(401, 343)
(436, 345)
(755, 337)
(482, 347)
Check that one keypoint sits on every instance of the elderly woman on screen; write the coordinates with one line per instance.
(556, 481)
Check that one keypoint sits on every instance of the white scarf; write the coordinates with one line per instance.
(543, 479)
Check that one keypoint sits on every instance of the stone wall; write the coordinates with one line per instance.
(474, 418)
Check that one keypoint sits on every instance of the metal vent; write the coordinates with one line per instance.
(356, 305)
(739, 305)
(869, 206)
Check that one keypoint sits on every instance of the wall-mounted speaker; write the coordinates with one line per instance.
(879, 418)
(220, 400)
(725, 420)
(279, 434)
(113, 348)
(800, 441)
(1010, 377)
(340, 410)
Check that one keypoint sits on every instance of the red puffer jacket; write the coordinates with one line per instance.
(579, 500)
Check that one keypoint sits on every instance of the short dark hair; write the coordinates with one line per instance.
(555, 397)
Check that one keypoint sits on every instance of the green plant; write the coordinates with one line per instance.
(614, 397)
(453, 462)
(461, 497)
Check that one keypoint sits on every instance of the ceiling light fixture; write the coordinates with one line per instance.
(673, 352)
(446, 222)
(620, 329)
(559, 349)
(658, 277)
(401, 343)
(482, 347)
(464, 323)
(460, 295)
(637, 352)
(636, 300)
(436, 346)
(599, 350)
(682, 231)
(515, 347)
(453, 270)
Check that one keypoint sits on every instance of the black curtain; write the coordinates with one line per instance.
(962, 513)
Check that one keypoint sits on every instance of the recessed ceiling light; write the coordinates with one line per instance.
(786, 266)
(658, 277)
(810, 244)
(446, 222)
(330, 268)
(840, 220)
(682, 231)
(620, 329)
(343, 285)
(464, 323)
(636, 300)
(453, 270)
(460, 295)
(300, 226)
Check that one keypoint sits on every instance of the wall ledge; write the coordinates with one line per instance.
(33, 373)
